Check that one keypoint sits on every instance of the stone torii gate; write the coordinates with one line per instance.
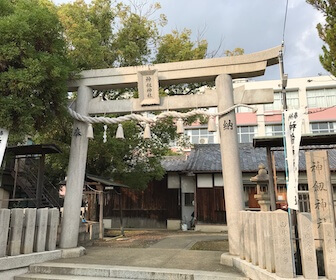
(222, 70)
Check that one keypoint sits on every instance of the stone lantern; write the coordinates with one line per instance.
(262, 196)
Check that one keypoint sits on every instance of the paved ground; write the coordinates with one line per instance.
(171, 251)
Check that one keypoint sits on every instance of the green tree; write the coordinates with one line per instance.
(135, 37)
(33, 67)
(236, 51)
(120, 37)
(88, 32)
(178, 46)
(327, 33)
(134, 161)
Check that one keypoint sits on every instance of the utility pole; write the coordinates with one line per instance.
(284, 78)
(291, 212)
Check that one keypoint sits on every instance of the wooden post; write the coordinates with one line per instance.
(16, 169)
(121, 214)
(271, 189)
(101, 211)
(274, 177)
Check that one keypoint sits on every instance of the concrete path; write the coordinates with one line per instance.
(186, 241)
(171, 252)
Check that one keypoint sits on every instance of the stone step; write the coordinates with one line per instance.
(34, 276)
(96, 272)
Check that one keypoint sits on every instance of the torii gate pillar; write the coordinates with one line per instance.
(76, 174)
(231, 170)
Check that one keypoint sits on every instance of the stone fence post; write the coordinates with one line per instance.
(329, 250)
(282, 245)
(16, 226)
(29, 224)
(23, 231)
(307, 246)
(4, 227)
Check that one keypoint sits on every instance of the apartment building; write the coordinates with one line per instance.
(317, 94)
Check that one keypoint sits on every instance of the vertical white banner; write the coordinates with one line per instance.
(3, 143)
(293, 124)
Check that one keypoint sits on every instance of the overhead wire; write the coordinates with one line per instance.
(285, 22)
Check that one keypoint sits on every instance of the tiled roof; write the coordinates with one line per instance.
(174, 163)
(207, 158)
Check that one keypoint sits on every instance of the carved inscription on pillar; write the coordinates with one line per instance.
(148, 86)
(282, 245)
(307, 246)
(329, 250)
(320, 194)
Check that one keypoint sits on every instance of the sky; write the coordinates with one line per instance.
(253, 25)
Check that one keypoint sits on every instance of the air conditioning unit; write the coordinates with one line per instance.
(203, 140)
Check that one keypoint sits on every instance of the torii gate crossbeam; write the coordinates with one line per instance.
(222, 70)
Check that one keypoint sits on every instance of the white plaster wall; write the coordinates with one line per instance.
(173, 181)
(188, 184)
(218, 178)
(204, 181)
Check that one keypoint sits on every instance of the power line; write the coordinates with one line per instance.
(284, 25)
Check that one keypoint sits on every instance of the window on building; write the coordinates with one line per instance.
(246, 133)
(274, 130)
(188, 199)
(323, 127)
(303, 192)
(200, 136)
(321, 98)
(292, 98)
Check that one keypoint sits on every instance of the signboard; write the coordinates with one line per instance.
(3, 143)
(148, 86)
(293, 124)
(320, 190)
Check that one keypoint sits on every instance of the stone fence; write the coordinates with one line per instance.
(265, 241)
(24, 231)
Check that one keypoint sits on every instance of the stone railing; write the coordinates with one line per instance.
(265, 241)
(24, 231)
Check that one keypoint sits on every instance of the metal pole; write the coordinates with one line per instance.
(283, 81)
(285, 107)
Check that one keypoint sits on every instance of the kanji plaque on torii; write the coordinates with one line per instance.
(220, 70)
(148, 86)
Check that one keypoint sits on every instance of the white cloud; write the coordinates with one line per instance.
(253, 25)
